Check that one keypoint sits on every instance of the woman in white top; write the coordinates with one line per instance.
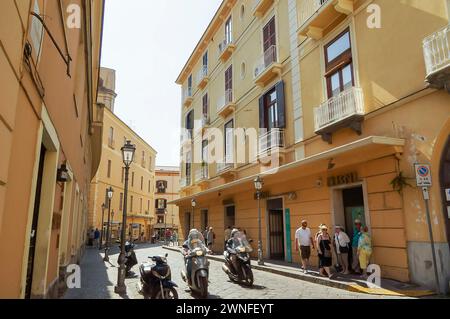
(342, 241)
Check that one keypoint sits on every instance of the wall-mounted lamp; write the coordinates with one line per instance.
(331, 165)
(62, 174)
(292, 196)
(319, 182)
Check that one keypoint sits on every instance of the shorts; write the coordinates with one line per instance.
(305, 252)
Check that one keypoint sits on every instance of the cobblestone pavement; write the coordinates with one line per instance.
(98, 280)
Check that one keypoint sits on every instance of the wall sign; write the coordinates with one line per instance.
(349, 178)
(423, 175)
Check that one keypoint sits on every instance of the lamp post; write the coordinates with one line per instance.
(258, 186)
(128, 151)
(103, 226)
(193, 204)
(110, 193)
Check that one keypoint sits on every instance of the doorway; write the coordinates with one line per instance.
(204, 219)
(276, 229)
(353, 200)
(34, 225)
(230, 216)
(445, 185)
(187, 224)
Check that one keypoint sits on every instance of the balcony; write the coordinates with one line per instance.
(343, 110)
(202, 77)
(226, 49)
(186, 137)
(226, 167)
(260, 7)
(270, 144)
(267, 67)
(316, 15)
(225, 104)
(205, 123)
(185, 182)
(436, 50)
(187, 97)
(202, 175)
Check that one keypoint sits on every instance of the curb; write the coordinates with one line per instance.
(329, 283)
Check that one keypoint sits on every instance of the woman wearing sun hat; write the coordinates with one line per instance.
(324, 249)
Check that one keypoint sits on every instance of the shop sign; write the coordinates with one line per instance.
(345, 179)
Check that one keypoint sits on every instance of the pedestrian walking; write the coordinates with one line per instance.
(91, 237)
(210, 236)
(324, 250)
(303, 242)
(355, 240)
(342, 242)
(97, 238)
(227, 236)
(364, 250)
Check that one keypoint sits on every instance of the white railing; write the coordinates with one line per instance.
(348, 103)
(205, 120)
(224, 100)
(224, 45)
(186, 136)
(187, 93)
(308, 8)
(436, 50)
(202, 174)
(183, 182)
(202, 73)
(267, 59)
(226, 163)
(271, 140)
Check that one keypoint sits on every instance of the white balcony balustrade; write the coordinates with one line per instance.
(185, 181)
(343, 110)
(436, 50)
(187, 97)
(267, 66)
(226, 49)
(271, 141)
(226, 164)
(202, 77)
(202, 174)
(225, 104)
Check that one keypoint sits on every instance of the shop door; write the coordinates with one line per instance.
(353, 199)
(276, 229)
(445, 184)
(33, 236)
(230, 212)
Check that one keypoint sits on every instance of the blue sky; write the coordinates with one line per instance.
(148, 42)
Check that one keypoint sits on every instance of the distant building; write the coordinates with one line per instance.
(167, 189)
(141, 185)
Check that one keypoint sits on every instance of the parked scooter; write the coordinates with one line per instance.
(237, 259)
(156, 279)
(130, 257)
(196, 263)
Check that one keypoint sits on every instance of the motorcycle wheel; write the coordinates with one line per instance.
(203, 282)
(169, 293)
(248, 281)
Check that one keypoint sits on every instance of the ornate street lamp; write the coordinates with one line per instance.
(193, 204)
(103, 226)
(259, 183)
(128, 151)
(110, 193)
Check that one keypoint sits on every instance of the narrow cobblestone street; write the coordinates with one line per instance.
(98, 280)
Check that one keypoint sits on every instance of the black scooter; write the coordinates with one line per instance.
(242, 272)
(156, 280)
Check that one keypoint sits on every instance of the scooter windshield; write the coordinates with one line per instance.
(241, 243)
(196, 240)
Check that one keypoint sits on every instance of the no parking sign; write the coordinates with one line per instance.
(423, 175)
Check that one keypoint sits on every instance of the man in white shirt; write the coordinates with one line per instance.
(304, 241)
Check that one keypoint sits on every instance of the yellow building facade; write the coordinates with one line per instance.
(167, 190)
(141, 186)
(335, 102)
(50, 130)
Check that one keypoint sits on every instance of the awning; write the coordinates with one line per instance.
(352, 153)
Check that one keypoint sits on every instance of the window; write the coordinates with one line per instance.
(190, 85)
(132, 179)
(143, 159)
(131, 203)
(188, 167)
(243, 70)
(242, 12)
(140, 206)
(161, 186)
(229, 31)
(205, 151)
(148, 206)
(109, 169)
(339, 64)
(150, 164)
(111, 137)
(161, 204)
(205, 110)
(205, 60)
(229, 135)
(229, 84)
(142, 183)
(149, 186)
(161, 219)
(269, 42)
(272, 108)
(121, 201)
(36, 31)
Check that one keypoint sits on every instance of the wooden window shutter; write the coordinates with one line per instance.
(262, 121)
(281, 104)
